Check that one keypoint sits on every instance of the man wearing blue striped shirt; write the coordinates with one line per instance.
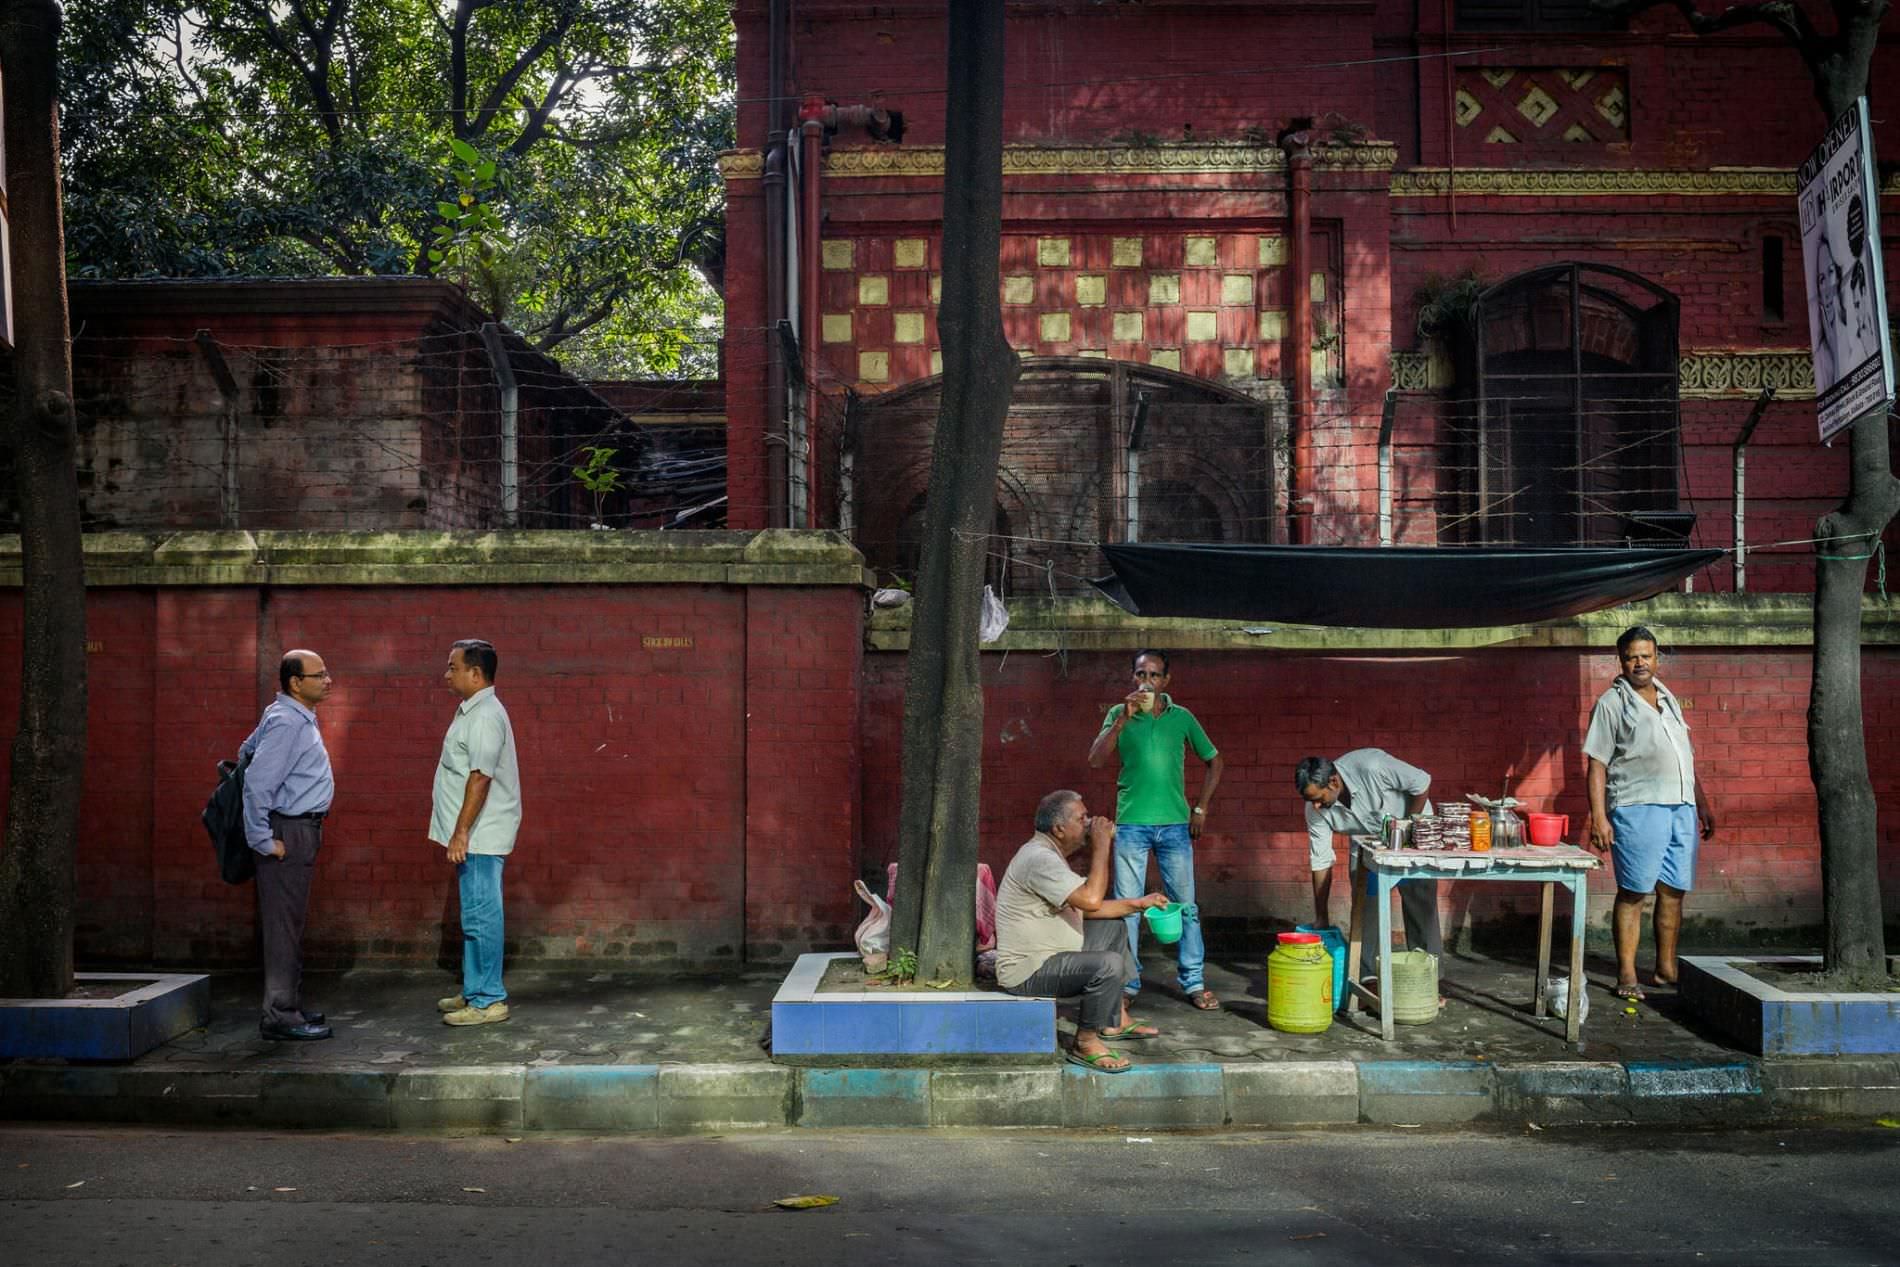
(287, 791)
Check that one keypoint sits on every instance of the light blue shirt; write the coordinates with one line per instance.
(480, 738)
(289, 773)
(1380, 784)
(1646, 750)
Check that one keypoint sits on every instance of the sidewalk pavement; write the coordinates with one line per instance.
(621, 1051)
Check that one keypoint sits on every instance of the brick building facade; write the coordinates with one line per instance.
(1167, 162)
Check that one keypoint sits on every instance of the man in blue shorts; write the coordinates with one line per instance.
(1645, 804)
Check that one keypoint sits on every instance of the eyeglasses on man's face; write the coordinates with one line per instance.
(325, 675)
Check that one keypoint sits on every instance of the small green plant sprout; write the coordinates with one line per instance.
(900, 968)
(599, 476)
(468, 237)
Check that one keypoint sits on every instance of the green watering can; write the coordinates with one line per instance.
(1165, 921)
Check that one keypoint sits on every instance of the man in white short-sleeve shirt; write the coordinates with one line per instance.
(1646, 804)
(477, 813)
(1058, 934)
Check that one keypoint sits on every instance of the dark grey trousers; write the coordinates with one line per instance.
(1418, 905)
(1095, 972)
(283, 897)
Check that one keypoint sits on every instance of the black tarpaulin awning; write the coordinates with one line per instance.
(1392, 588)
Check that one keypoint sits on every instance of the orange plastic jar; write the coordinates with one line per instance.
(1480, 832)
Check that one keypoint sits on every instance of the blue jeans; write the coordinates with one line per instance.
(1173, 849)
(480, 881)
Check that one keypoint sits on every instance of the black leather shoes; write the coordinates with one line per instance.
(314, 1018)
(305, 1033)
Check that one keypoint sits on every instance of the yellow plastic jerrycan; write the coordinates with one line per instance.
(1300, 985)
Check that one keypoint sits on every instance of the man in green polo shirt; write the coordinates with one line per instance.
(1148, 733)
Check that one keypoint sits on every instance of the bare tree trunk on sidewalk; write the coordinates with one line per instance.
(935, 912)
(42, 836)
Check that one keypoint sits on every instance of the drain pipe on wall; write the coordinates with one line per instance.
(1740, 453)
(778, 430)
(811, 132)
(1385, 466)
(816, 119)
(510, 424)
(778, 434)
(1136, 434)
(1299, 161)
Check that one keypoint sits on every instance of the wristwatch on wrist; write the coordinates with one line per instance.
(1200, 809)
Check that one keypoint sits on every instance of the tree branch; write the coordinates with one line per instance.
(458, 64)
(1783, 15)
(538, 117)
(498, 94)
(316, 76)
(572, 320)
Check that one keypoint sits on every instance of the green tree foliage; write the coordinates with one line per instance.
(310, 137)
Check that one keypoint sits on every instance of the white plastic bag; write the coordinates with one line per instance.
(874, 934)
(995, 616)
(1558, 995)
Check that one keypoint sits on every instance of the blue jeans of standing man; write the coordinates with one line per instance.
(1173, 849)
(480, 881)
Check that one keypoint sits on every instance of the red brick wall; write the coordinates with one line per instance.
(803, 650)
(1466, 717)
(645, 771)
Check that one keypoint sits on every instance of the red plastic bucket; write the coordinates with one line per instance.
(1548, 829)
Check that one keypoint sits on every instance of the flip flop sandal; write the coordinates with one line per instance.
(1205, 1000)
(1095, 1062)
(1131, 1032)
(1634, 993)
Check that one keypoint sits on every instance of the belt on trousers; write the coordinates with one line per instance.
(294, 818)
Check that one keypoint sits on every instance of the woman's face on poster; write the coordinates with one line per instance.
(1827, 288)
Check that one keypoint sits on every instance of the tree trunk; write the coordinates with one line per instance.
(1837, 740)
(943, 702)
(36, 861)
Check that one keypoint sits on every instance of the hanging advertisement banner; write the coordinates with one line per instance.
(1838, 192)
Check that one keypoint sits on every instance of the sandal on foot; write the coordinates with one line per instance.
(1130, 1032)
(1634, 993)
(1205, 1000)
(1101, 1062)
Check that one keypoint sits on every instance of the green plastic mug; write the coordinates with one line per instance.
(1165, 921)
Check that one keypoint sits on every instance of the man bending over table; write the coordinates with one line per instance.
(1057, 937)
(1352, 794)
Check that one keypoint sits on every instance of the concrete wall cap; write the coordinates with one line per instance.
(526, 556)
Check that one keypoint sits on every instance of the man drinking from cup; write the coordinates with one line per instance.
(1148, 732)
(1059, 935)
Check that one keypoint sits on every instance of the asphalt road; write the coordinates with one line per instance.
(207, 1199)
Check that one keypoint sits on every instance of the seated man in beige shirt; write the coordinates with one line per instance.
(1056, 937)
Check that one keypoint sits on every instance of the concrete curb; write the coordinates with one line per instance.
(695, 1098)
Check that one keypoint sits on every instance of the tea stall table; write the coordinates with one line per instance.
(1549, 866)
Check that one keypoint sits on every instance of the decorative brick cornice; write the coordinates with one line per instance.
(926, 161)
(741, 164)
(1506, 182)
(1721, 373)
(1411, 371)
(1701, 373)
